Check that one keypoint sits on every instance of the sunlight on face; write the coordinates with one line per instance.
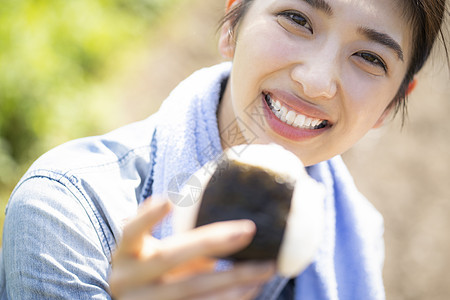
(314, 76)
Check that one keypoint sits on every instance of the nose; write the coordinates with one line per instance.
(317, 74)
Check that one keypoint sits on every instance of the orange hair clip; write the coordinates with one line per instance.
(411, 86)
(230, 4)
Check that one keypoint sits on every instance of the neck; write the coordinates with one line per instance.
(229, 131)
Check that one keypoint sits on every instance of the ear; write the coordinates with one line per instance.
(226, 41)
(382, 118)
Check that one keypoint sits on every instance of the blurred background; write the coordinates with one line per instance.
(75, 68)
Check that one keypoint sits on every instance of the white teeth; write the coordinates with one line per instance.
(299, 121)
(277, 105)
(315, 122)
(284, 112)
(308, 122)
(291, 117)
(278, 114)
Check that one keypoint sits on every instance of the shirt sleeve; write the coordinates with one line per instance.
(51, 250)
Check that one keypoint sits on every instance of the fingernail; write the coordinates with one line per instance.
(243, 228)
(248, 226)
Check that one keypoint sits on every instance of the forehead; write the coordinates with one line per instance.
(384, 16)
(371, 8)
(376, 9)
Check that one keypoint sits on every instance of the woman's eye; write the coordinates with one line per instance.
(297, 18)
(372, 59)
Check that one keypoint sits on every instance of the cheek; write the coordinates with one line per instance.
(264, 49)
(254, 59)
(366, 97)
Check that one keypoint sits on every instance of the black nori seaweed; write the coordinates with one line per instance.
(240, 191)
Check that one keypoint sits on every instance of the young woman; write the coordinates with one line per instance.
(311, 75)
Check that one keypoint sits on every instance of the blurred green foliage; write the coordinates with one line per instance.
(54, 54)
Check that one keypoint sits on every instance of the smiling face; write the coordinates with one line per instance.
(313, 75)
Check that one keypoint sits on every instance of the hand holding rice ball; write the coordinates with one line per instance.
(268, 185)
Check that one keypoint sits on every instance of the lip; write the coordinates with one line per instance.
(299, 106)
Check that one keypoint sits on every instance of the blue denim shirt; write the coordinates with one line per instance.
(66, 214)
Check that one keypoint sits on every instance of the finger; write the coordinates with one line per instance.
(216, 240)
(237, 279)
(135, 240)
(243, 281)
(138, 227)
(193, 266)
(241, 293)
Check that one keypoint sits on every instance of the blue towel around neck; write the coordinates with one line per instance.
(349, 262)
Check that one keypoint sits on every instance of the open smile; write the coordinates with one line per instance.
(293, 118)
(290, 123)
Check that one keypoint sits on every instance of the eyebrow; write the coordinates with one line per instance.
(371, 34)
(382, 38)
(321, 5)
